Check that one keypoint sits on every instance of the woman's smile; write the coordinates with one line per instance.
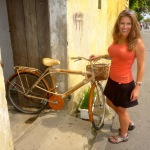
(125, 26)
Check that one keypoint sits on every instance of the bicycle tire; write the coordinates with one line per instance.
(15, 93)
(97, 106)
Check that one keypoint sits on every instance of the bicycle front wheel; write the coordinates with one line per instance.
(22, 97)
(97, 106)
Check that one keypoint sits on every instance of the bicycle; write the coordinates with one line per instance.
(30, 84)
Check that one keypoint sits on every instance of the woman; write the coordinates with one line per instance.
(121, 91)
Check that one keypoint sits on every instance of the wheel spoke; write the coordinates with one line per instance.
(19, 92)
(98, 107)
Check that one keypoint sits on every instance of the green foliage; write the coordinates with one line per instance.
(147, 20)
(140, 17)
(85, 99)
(140, 6)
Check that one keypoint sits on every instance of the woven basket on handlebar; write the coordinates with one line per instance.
(101, 71)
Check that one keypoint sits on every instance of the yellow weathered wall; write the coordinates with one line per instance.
(91, 35)
(6, 141)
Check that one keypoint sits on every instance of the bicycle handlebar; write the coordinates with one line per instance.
(83, 58)
(80, 58)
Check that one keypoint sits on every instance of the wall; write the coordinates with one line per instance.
(5, 43)
(58, 33)
(89, 32)
(113, 9)
(6, 142)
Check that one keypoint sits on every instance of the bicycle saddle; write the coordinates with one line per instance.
(50, 62)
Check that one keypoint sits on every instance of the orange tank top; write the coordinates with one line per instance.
(121, 63)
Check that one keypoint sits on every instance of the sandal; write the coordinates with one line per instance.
(118, 138)
(131, 126)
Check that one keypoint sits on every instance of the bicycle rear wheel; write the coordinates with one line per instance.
(97, 106)
(17, 87)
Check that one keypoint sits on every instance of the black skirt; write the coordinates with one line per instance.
(119, 94)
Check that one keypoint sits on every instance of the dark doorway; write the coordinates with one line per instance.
(30, 31)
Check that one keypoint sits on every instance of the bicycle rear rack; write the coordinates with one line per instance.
(21, 68)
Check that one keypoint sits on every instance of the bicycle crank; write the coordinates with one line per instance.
(56, 102)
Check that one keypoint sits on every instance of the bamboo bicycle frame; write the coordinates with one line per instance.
(50, 71)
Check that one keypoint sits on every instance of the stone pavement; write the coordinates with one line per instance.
(53, 130)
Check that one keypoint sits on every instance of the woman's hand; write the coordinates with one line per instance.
(134, 94)
(94, 57)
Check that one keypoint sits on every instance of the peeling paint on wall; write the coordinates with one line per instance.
(78, 19)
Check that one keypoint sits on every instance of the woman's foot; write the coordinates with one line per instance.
(131, 126)
(115, 139)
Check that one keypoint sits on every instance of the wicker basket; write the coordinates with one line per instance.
(101, 71)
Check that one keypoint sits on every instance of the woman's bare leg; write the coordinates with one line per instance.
(110, 104)
(123, 119)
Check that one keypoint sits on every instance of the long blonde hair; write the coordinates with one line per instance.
(135, 29)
